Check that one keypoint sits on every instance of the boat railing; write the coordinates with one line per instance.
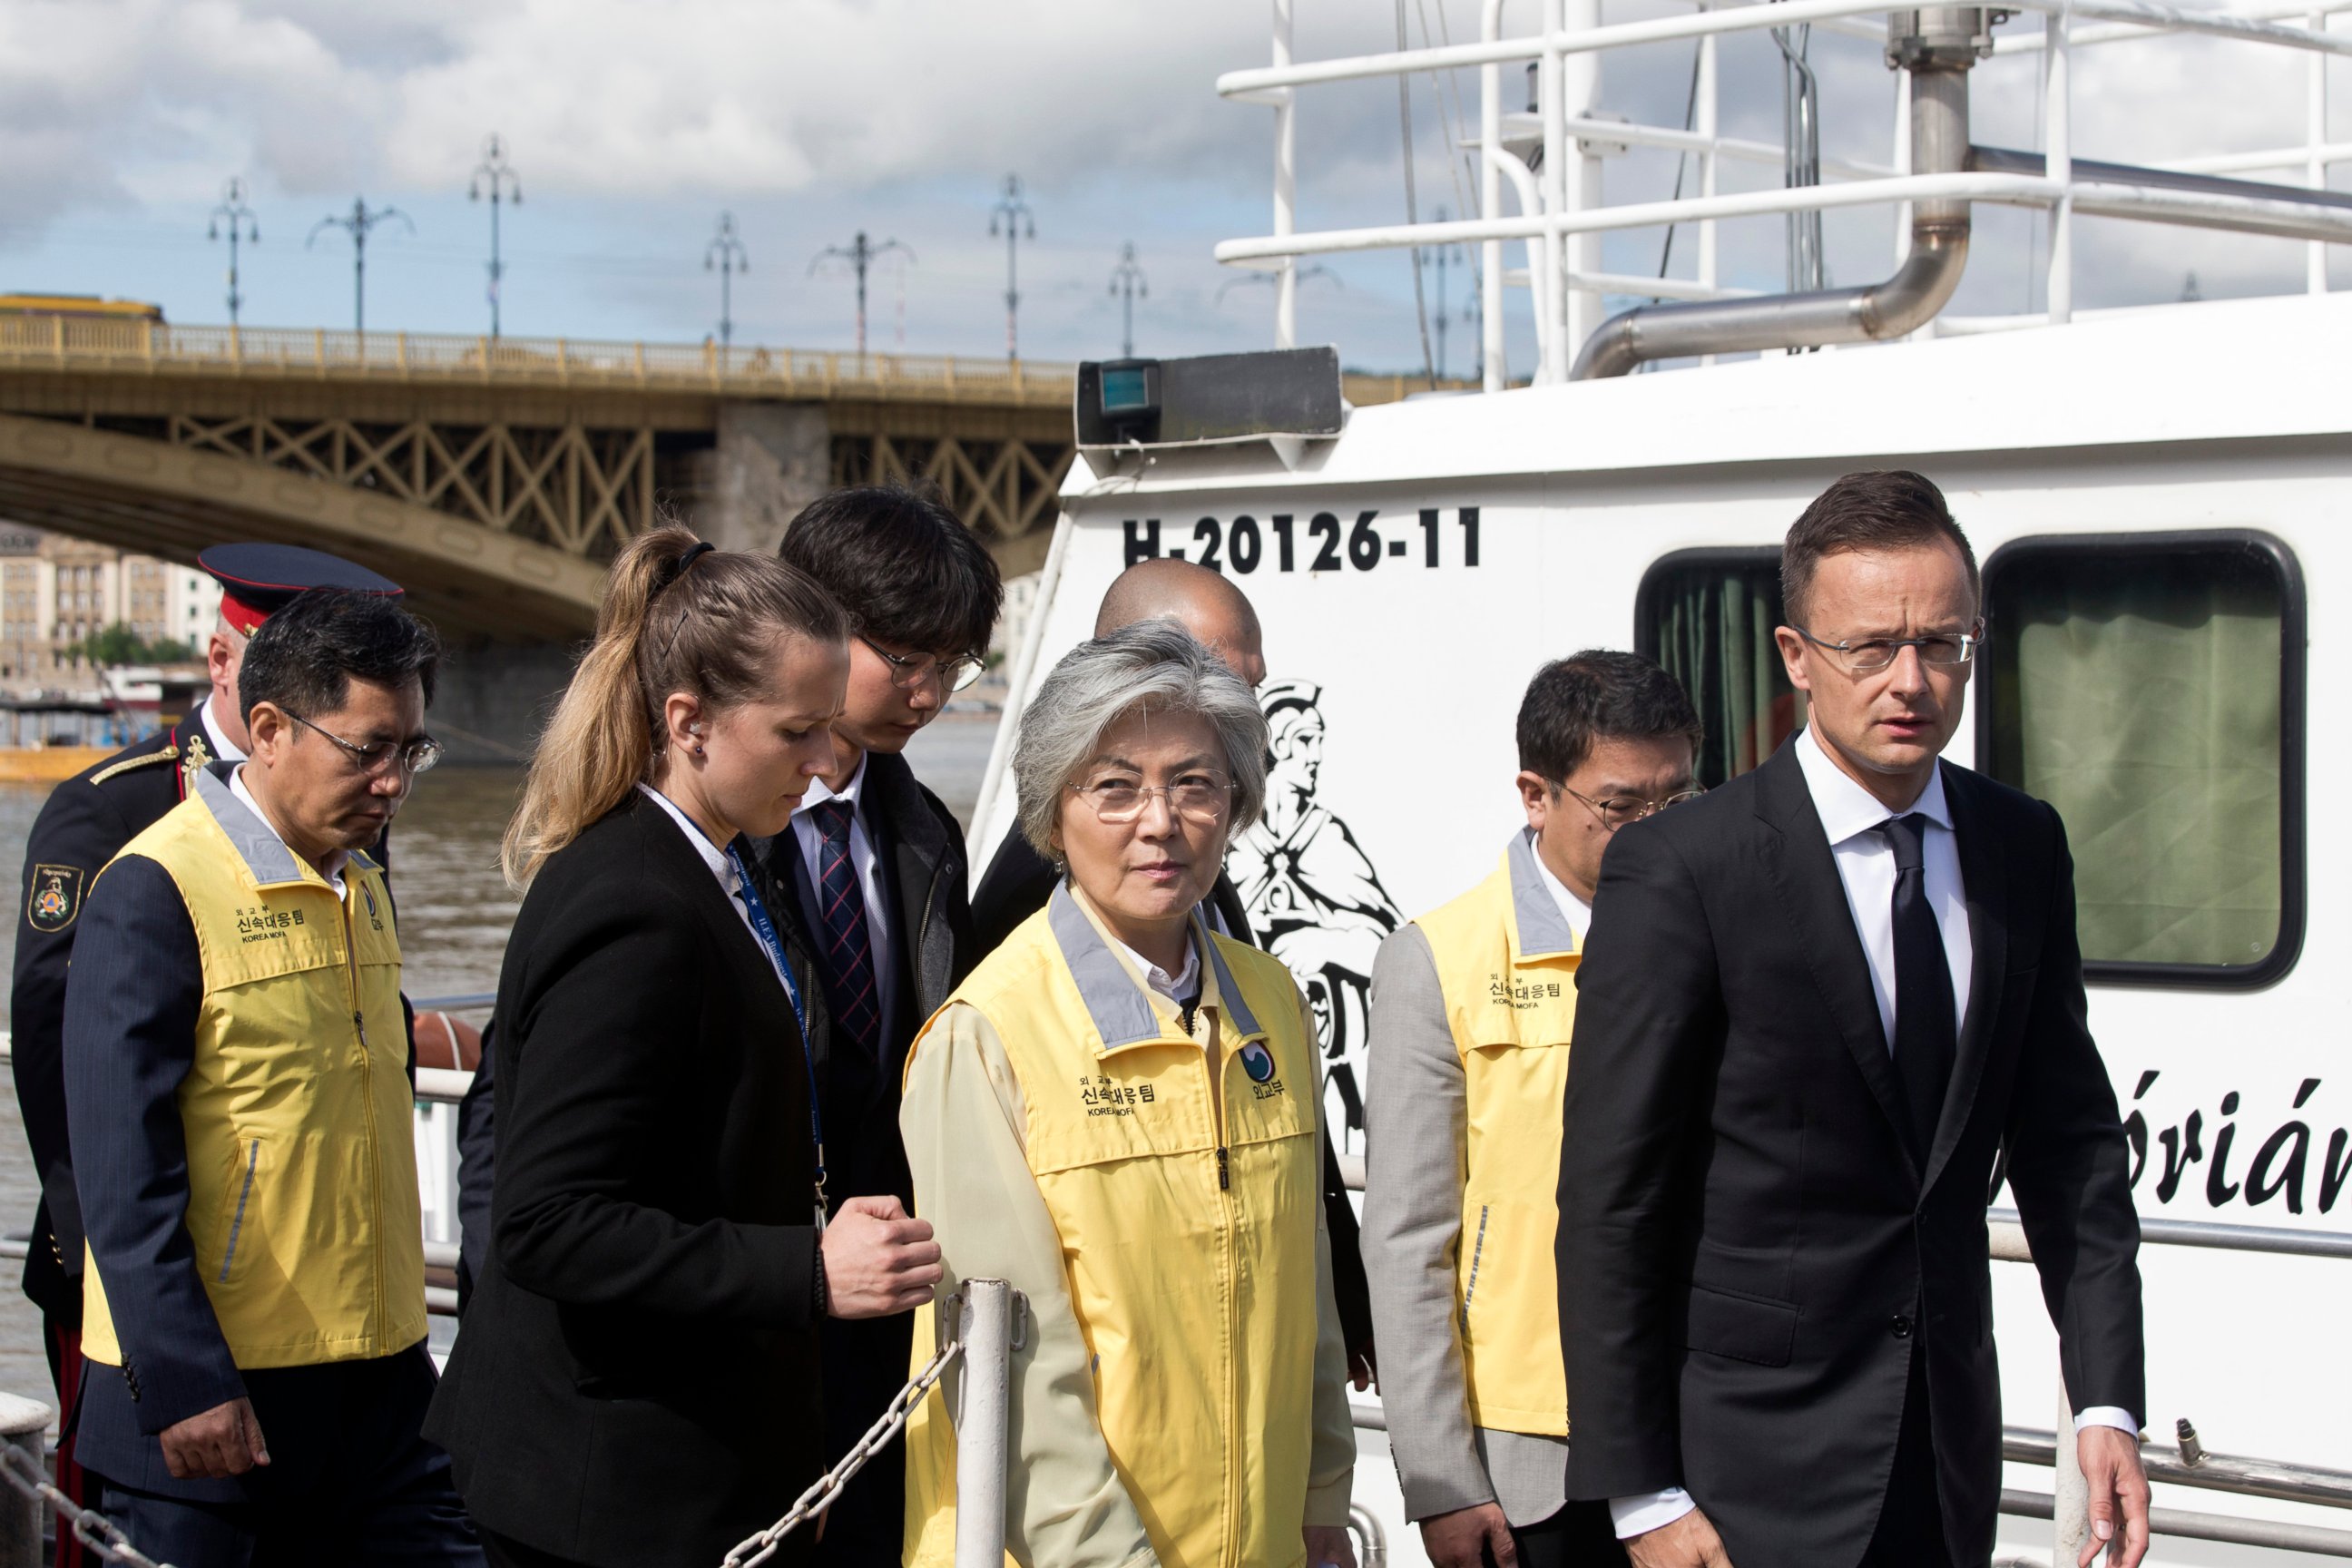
(1559, 213)
(2186, 1465)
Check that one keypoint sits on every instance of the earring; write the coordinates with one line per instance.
(698, 750)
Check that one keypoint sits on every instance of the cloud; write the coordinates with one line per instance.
(634, 123)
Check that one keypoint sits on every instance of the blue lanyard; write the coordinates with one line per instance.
(765, 929)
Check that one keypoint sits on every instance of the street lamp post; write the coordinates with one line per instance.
(1127, 283)
(725, 253)
(496, 178)
(1013, 214)
(241, 222)
(860, 254)
(357, 226)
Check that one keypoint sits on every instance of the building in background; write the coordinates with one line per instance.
(56, 593)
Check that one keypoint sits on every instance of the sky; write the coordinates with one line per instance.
(633, 126)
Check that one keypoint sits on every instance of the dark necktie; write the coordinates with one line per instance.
(848, 967)
(1927, 1038)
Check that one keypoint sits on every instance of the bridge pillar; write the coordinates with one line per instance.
(771, 459)
(491, 699)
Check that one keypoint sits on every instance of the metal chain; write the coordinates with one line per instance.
(820, 1497)
(89, 1527)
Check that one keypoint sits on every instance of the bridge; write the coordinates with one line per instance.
(497, 477)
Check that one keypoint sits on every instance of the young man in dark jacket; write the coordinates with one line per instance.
(873, 868)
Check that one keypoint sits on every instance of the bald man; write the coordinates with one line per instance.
(1202, 601)
(1020, 880)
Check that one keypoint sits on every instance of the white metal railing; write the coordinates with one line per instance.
(1559, 213)
(65, 341)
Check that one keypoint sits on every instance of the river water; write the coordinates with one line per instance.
(455, 911)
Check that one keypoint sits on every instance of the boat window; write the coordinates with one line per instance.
(1707, 617)
(2151, 688)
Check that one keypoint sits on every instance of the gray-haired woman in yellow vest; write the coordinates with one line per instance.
(1118, 1114)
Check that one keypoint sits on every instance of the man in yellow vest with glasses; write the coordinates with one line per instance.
(1472, 1007)
(254, 1375)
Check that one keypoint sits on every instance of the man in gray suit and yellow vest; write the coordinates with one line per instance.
(254, 1375)
(1473, 1005)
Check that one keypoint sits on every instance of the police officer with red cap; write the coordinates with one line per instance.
(84, 822)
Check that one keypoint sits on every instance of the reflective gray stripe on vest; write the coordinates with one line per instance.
(1119, 1008)
(265, 855)
(1543, 930)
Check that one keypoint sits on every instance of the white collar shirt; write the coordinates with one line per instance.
(1177, 987)
(722, 866)
(335, 862)
(1573, 909)
(864, 864)
(225, 750)
(1850, 817)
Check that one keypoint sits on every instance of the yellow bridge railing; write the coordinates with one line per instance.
(38, 342)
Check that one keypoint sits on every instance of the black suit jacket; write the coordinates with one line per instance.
(1751, 1251)
(639, 1380)
(918, 848)
(1018, 883)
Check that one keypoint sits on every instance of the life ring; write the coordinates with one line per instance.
(445, 1041)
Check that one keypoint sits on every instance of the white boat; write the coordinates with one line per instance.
(2160, 497)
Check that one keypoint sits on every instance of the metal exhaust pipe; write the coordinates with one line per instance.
(1938, 47)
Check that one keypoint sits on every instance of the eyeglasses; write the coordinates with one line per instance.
(416, 757)
(1615, 811)
(1202, 798)
(1944, 649)
(908, 672)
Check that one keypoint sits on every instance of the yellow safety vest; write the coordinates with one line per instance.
(1188, 1237)
(1506, 965)
(302, 1198)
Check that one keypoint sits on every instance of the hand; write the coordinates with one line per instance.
(2117, 1486)
(1689, 1541)
(878, 1259)
(1463, 1539)
(1329, 1544)
(1362, 1370)
(223, 1441)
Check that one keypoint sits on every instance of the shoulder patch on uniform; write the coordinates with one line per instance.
(56, 898)
(168, 754)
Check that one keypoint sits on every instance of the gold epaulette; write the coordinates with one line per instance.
(168, 754)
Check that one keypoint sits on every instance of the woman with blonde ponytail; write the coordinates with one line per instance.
(637, 1381)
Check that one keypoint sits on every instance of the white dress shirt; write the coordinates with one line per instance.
(1176, 987)
(722, 867)
(229, 750)
(1850, 818)
(1573, 909)
(335, 862)
(863, 864)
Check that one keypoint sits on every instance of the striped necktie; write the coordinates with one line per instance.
(848, 956)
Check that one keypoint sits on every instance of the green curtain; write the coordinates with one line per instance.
(1714, 635)
(2139, 695)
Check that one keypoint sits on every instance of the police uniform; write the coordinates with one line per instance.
(85, 821)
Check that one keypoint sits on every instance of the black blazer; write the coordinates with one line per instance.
(637, 1378)
(919, 850)
(1751, 1251)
